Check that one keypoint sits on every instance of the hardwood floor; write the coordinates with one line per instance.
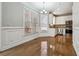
(44, 46)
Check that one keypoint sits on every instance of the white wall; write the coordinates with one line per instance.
(51, 19)
(12, 14)
(76, 26)
(0, 14)
(76, 14)
(62, 19)
(44, 21)
(0, 25)
(13, 37)
(12, 22)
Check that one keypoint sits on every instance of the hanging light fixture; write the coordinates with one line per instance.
(43, 11)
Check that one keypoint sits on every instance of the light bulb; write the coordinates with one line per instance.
(41, 12)
(45, 11)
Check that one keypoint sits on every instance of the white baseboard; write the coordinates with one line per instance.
(75, 48)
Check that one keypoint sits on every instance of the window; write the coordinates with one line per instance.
(44, 21)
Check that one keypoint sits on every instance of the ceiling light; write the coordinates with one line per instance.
(43, 11)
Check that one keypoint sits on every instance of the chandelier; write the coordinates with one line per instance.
(44, 11)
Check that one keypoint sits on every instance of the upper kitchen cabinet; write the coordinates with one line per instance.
(12, 14)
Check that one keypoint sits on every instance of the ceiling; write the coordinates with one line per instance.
(56, 8)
